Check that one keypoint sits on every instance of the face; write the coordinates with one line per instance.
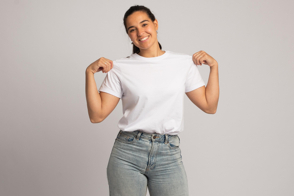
(142, 30)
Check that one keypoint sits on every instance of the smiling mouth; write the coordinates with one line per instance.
(144, 39)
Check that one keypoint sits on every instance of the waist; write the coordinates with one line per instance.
(155, 137)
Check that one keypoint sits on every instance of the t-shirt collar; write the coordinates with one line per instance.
(136, 56)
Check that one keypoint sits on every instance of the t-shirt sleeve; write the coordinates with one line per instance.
(111, 84)
(193, 79)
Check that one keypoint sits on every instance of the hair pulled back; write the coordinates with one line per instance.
(132, 10)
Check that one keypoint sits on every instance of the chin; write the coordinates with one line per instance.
(146, 47)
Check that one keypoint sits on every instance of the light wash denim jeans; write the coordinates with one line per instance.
(139, 160)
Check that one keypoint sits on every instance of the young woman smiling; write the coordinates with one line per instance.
(151, 83)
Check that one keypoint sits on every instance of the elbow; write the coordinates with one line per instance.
(210, 111)
(96, 120)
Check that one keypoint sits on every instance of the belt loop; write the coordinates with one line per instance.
(138, 135)
(166, 139)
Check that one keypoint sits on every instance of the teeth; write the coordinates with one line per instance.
(144, 39)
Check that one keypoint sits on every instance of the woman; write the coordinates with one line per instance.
(151, 83)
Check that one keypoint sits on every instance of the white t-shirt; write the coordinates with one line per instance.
(152, 91)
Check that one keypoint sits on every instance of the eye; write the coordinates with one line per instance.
(144, 24)
(131, 30)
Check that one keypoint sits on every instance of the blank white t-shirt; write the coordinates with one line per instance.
(152, 91)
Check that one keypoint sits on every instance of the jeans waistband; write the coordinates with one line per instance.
(155, 137)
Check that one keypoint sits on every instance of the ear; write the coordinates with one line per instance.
(156, 24)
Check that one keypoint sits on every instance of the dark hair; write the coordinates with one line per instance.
(142, 9)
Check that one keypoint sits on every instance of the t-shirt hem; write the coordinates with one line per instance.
(195, 87)
(107, 90)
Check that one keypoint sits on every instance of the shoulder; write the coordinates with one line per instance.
(120, 62)
(184, 59)
(179, 55)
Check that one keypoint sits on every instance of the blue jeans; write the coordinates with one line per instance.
(139, 160)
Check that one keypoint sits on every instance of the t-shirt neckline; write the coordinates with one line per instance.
(136, 56)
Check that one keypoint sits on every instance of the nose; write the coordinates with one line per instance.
(139, 32)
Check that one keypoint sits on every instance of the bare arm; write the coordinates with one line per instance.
(99, 105)
(93, 98)
(206, 98)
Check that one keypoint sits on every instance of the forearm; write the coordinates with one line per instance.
(212, 89)
(93, 98)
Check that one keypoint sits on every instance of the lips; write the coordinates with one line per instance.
(143, 39)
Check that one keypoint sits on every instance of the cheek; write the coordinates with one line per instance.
(132, 36)
(150, 30)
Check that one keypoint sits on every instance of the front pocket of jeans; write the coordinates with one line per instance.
(126, 138)
(174, 143)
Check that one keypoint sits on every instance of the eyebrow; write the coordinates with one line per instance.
(140, 22)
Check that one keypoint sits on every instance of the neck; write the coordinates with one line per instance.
(151, 52)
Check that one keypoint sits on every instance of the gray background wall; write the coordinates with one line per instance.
(48, 146)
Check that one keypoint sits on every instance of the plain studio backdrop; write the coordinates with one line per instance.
(48, 146)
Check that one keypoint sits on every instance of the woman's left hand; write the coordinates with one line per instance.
(202, 57)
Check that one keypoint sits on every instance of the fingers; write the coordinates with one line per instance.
(105, 65)
(199, 57)
(109, 65)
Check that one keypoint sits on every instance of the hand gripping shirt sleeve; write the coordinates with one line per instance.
(193, 79)
(111, 84)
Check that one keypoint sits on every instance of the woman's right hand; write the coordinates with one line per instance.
(102, 64)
